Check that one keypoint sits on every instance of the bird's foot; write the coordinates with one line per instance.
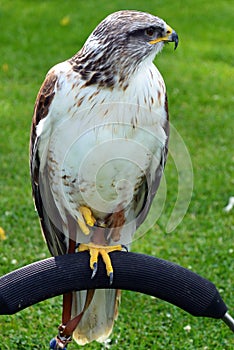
(88, 219)
(96, 250)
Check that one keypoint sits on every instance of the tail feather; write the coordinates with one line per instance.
(98, 320)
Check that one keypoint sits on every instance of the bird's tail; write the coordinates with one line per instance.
(98, 319)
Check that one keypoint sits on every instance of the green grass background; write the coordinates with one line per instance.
(199, 78)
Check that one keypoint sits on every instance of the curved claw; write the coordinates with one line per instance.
(111, 277)
(95, 268)
(124, 247)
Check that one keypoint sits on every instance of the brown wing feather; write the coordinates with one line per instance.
(43, 102)
(53, 236)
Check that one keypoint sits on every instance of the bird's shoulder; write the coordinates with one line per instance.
(47, 91)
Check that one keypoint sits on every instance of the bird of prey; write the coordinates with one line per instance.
(98, 149)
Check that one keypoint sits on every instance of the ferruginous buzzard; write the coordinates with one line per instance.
(98, 149)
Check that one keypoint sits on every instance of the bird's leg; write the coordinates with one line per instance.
(95, 250)
(88, 219)
(115, 222)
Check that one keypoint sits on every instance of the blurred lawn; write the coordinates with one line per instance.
(199, 77)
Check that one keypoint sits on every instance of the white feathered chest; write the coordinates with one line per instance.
(98, 144)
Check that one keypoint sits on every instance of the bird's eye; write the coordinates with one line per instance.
(149, 32)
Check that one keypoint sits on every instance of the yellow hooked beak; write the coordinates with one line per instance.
(171, 36)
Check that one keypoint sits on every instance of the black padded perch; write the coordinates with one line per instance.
(136, 272)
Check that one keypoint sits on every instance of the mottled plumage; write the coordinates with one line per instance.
(99, 141)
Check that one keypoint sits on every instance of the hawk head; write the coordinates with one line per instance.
(119, 44)
(126, 38)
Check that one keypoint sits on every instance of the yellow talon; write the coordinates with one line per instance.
(96, 250)
(88, 218)
(83, 227)
(87, 214)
